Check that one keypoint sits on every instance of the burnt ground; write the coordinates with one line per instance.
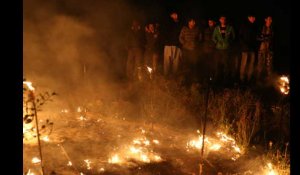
(109, 125)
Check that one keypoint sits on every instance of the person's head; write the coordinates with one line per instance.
(222, 20)
(268, 21)
(174, 15)
(191, 23)
(211, 22)
(251, 18)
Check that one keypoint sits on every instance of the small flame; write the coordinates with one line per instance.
(237, 149)
(29, 172)
(145, 158)
(82, 118)
(114, 159)
(215, 144)
(155, 141)
(285, 79)
(69, 163)
(46, 139)
(215, 147)
(270, 170)
(35, 160)
(102, 169)
(135, 150)
(137, 142)
(224, 137)
(88, 164)
(284, 85)
(147, 142)
(149, 69)
(64, 111)
(29, 85)
(157, 158)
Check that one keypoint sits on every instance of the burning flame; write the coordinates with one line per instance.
(29, 85)
(284, 85)
(215, 147)
(155, 141)
(82, 118)
(35, 160)
(145, 158)
(46, 139)
(270, 170)
(64, 111)
(114, 159)
(135, 150)
(157, 158)
(69, 163)
(102, 169)
(139, 150)
(215, 144)
(79, 109)
(88, 164)
(149, 69)
(29, 172)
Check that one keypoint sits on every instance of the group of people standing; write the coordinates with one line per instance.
(195, 53)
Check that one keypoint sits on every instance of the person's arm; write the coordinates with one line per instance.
(260, 36)
(232, 34)
(200, 35)
(181, 36)
(214, 36)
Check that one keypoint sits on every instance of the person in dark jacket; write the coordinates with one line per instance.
(190, 37)
(208, 48)
(248, 43)
(172, 50)
(135, 47)
(152, 46)
(265, 53)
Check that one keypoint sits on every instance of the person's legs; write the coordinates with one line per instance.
(243, 65)
(269, 62)
(260, 65)
(138, 57)
(154, 62)
(251, 65)
(177, 56)
(167, 60)
(130, 64)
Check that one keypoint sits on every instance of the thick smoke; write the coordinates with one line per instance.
(74, 48)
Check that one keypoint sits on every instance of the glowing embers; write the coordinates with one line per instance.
(222, 143)
(140, 150)
(284, 85)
